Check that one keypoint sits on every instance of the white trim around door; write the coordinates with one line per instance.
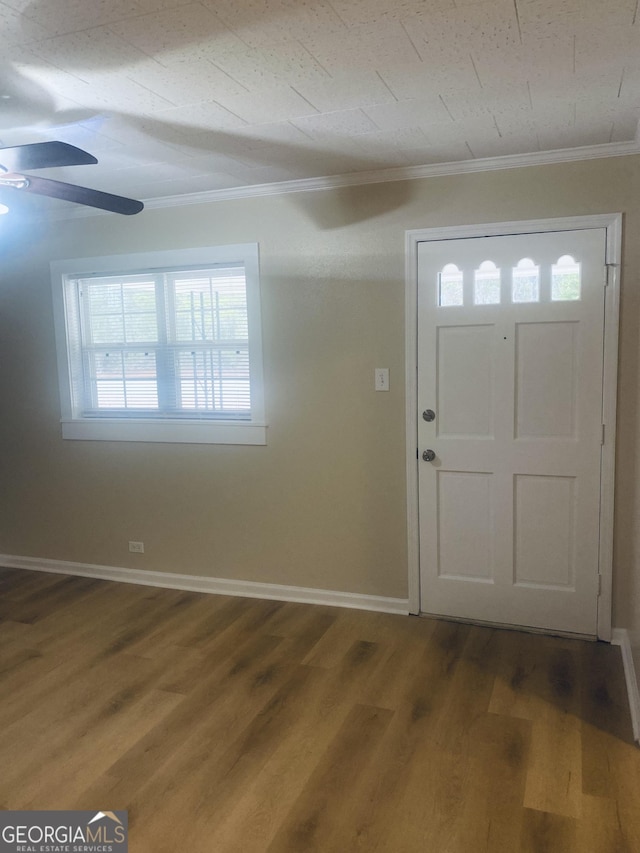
(613, 225)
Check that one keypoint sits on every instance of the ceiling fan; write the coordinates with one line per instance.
(44, 155)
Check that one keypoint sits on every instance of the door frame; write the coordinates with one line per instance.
(612, 222)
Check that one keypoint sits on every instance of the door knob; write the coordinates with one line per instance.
(428, 455)
(429, 415)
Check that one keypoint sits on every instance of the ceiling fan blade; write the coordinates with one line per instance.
(82, 195)
(43, 155)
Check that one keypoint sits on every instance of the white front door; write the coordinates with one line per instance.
(510, 365)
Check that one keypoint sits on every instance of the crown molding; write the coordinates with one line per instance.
(402, 173)
(379, 176)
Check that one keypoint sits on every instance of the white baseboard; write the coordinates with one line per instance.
(620, 637)
(216, 586)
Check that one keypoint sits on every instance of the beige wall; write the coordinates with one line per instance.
(324, 504)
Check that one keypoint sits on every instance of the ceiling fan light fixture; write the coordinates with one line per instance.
(18, 182)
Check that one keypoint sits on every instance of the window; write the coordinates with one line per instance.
(565, 279)
(450, 286)
(161, 346)
(526, 282)
(486, 289)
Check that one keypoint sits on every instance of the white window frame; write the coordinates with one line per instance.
(190, 431)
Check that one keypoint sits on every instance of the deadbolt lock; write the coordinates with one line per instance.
(429, 415)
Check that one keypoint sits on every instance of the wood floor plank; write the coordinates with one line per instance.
(204, 782)
(38, 603)
(601, 829)
(554, 778)
(605, 718)
(491, 819)
(415, 783)
(232, 725)
(213, 708)
(543, 832)
(312, 821)
(72, 713)
(404, 664)
(96, 750)
(254, 817)
(96, 621)
(19, 586)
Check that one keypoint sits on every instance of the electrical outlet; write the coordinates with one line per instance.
(136, 547)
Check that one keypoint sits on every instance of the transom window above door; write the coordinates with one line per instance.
(523, 282)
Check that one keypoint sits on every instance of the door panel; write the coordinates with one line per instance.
(546, 364)
(510, 341)
(465, 359)
(465, 551)
(544, 535)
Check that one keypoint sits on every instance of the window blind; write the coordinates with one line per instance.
(168, 343)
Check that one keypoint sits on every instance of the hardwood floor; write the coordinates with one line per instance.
(240, 726)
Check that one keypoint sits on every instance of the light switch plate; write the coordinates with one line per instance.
(382, 379)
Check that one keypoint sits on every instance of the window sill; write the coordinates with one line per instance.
(174, 432)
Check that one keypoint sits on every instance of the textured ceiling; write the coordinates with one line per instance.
(177, 97)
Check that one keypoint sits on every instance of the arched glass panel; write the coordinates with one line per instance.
(450, 286)
(486, 284)
(565, 279)
(526, 282)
